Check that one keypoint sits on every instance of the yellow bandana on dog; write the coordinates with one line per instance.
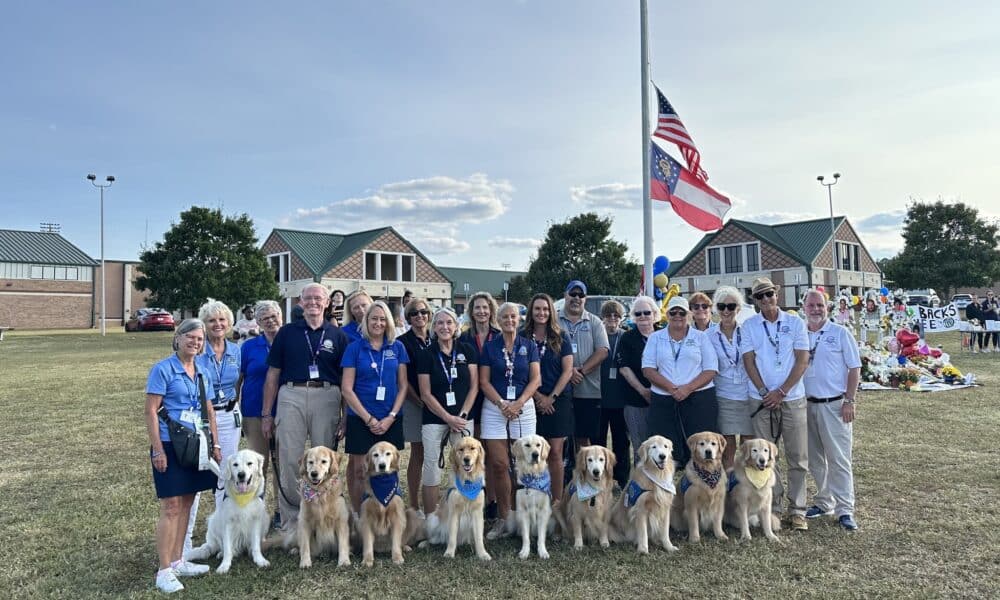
(758, 477)
(243, 499)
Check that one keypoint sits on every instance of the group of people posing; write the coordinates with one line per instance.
(565, 374)
(979, 311)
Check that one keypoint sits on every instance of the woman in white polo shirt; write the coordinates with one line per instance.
(731, 383)
(680, 363)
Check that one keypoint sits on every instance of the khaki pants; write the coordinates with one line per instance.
(794, 437)
(303, 413)
(830, 441)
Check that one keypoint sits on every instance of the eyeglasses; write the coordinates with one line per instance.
(267, 318)
(577, 295)
(422, 311)
(613, 316)
(678, 313)
(702, 306)
(762, 295)
(643, 313)
(313, 298)
(726, 306)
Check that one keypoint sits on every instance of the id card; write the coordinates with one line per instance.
(574, 347)
(736, 376)
(220, 395)
(511, 392)
(450, 398)
(380, 393)
(314, 371)
(190, 416)
(612, 373)
(454, 373)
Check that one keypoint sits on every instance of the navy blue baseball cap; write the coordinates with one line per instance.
(576, 283)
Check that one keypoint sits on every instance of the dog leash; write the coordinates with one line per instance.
(273, 448)
(444, 444)
(777, 422)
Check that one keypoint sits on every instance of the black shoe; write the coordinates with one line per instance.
(490, 512)
(276, 522)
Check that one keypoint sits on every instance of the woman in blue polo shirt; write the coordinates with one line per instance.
(509, 375)
(220, 362)
(174, 384)
(356, 306)
(554, 398)
(374, 386)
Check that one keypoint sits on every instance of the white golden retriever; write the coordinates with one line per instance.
(534, 496)
(239, 522)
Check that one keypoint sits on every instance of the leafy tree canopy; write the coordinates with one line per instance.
(206, 255)
(582, 248)
(946, 246)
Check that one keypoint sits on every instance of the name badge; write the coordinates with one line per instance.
(613, 373)
(190, 416)
(380, 393)
(574, 348)
(450, 397)
(219, 394)
(511, 392)
(736, 375)
(314, 371)
(454, 373)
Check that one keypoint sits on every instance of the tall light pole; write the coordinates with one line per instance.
(833, 231)
(104, 296)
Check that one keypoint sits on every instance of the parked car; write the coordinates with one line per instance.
(962, 300)
(150, 319)
(926, 297)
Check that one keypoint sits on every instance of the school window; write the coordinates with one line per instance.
(714, 262)
(857, 257)
(845, 256)
(280, 265)
(734, 259)
(384, 266)
(753, 257)
(36, 272)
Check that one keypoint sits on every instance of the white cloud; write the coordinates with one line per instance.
(440, 245)
(439, 201)
(772, 217)
(608, 195)
(512, 242)
(882, 232)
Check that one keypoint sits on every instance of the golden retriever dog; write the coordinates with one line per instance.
(383, 515)
(240, 521)
(749, 502)
(702, 501)
(324, 519)
(643, 509)
(459, 519)
(533, 499)
(586, 504)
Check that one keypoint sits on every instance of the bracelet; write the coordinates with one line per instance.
(782, 392)
(217, 446)
(156, 453)
(848, 400)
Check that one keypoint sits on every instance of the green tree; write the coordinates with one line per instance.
(582, 248)
(206, 255)
(519, 290)
(946, 246)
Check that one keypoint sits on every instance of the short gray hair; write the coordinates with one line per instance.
(507, 305)
(444, 310)
(213, 307)
(653, 306)
(724, 292)
(265, 306)
(187, 326)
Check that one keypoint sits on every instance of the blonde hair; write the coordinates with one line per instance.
(490, 302)
(390, 323)
(348, 317)
(212, 308)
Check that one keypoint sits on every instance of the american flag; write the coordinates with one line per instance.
(670, 128)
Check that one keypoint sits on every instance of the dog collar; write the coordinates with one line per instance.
(542, 483)
(585, 491)
(758, 477)
(711, 478)
(632, 493)
(469, 489)
(385, 487)
(665, 484)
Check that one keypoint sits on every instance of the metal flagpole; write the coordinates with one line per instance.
(647, 201)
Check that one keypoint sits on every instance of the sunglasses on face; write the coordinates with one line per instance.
(701, 306)
(422, 311)
(678, 313)
(643, 313)
(762, 295)
(577, 295)
(726, 306)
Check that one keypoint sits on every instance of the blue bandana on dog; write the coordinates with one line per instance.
(384, 487)
(584, 492)
(469, 489)
(542, 483)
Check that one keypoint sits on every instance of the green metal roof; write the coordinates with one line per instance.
(40, 247)
(479, 280)
(800, 240)
(321, 251)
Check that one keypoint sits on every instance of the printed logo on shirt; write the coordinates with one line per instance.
(786, 329)
(231, 360)
(327, 346)
(460, 358)
(523, 351)
(690, 343)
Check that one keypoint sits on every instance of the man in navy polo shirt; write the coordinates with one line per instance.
(303, 376)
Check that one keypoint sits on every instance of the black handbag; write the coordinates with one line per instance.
(187, 440)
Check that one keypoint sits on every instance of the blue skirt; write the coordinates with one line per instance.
(178, 481)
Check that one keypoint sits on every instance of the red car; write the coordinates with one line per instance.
(150, 319)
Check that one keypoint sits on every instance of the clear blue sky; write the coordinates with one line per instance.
(470, 126)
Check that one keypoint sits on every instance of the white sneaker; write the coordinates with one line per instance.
(183, 568)
(167, 582)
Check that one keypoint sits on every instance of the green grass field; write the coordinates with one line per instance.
(77, 507)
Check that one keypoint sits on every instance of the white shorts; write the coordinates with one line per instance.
(734, 417)
(494, 424)
(433, 433)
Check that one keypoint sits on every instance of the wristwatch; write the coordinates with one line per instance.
(848, 400)
(762, 391)
(392, 414)
(463, 415)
